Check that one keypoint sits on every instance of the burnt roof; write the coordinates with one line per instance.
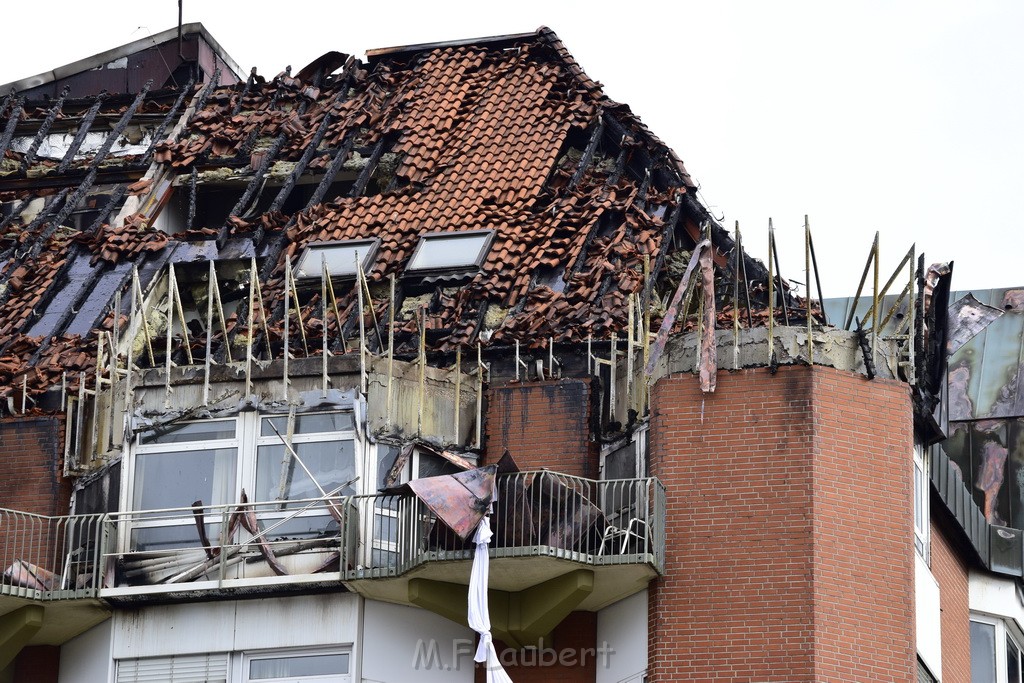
(507, 135)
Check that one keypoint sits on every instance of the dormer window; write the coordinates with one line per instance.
(450, 251)
(340, 256)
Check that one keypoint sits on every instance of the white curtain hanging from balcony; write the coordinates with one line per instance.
(479, 616)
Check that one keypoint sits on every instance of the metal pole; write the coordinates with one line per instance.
(874, 306)
(170, 330)
(423, 371)
(181, 315)
(362, 326)
(629, 356)
(479, 393)
(771, 291)
(249, 326)
(807, 280)
(220, 314)
(137, 292)
(458, 390)
(391, 343)
(736, 300)
(209, 334)
(611, 375)
(287, 320)
(298, 311)
(872, 254)
(323, 318)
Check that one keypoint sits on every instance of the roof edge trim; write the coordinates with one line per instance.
(101, 58)
(423, 47)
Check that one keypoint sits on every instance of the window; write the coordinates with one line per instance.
(177, 467)
(330, 667)
(340, 257)
(204, 464)
(921, 501)
(386, 514)
(288, 666)
(205, 668)
(450, 250)
(995, 650)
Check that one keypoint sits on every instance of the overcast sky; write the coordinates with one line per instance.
(901, 117)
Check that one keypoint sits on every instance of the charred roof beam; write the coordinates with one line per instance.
(204, 94)
(12, 122)
(300, 167)
(340, 155)
(588, 154)
(245, 92)
(371, 165)
(83, 130)
(16, 212)
(126, 118)
(44, 129)
(171, 113)
(43, 215)
(57, 283)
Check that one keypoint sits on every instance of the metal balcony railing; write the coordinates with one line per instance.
(50, 558)
(271, 542)
(536, 514)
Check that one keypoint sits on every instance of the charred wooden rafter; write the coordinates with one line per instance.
(171, 114)
(12, 122)
(83, 130)
(44, 129)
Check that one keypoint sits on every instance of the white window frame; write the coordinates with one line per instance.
(365, 248)
(253, 655)
(440, 237)
(129, 476)
(922, 502)
(1005, 629)
(246, 442)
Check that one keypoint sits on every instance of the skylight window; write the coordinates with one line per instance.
(340, 256)
(450, 250)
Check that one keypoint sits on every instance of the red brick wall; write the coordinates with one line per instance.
(573, 641)
(789, 529)
(863, 529)
(547, 424)
(951, 571)
(542, 424)
(31, 449)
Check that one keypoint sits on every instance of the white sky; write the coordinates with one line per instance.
(902, 117)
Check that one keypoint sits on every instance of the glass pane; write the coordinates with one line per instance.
(174, 480)
(208, 430)
(383, 558)
(1012, 662)
(983, 652)
(279, 477)
(385, 528)
(341, 259)
(309, 424)
(172, 537)
(448, 251)
(311, 665)
(621, 464)
(303, 526)
(433, 466)
(386, 457)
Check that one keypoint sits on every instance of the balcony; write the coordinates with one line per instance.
(567, 541)
(49, 588)
(547, 525)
